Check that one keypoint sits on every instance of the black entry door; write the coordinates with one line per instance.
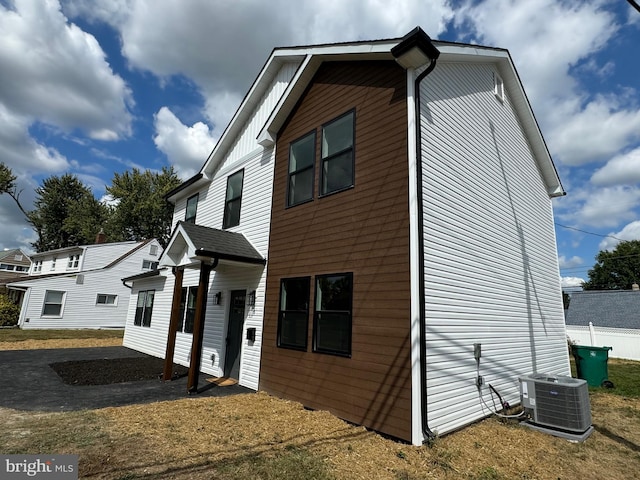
(234, 334)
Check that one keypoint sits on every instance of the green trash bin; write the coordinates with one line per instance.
(591, 364)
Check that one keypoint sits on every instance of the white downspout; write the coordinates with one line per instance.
(415, 269)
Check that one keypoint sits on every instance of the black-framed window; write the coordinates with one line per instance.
(187, 309)
(192, 208)
(332, 315)
(293, 316)
(233, 200)
(337, 154)
(302, 154)
(144, 308)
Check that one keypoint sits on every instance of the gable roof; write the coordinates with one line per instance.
(190, 242)
(8, 256)
(605, 308)
(408, 51)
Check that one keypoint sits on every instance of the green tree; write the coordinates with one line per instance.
(617, 269)
(141, 210)
(66, 213)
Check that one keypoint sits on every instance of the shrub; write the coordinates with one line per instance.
(9, 312)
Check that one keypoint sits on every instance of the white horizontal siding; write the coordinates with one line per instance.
(80, 309)
(101, 255)
(491, 273)
(255, 215)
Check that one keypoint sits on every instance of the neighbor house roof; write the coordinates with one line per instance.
(605, 308)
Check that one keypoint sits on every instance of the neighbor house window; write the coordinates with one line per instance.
(149, 265)
(74, 261)
(53, 264)
(37, 266)
(6, 266)
(106, 299)
(293, 316)
(301, 169)
(53, 301)
(144, 307)
(192, 207)
(337, 154)
(332, 317)
(187, 309)
(233, 200)
(153, 250)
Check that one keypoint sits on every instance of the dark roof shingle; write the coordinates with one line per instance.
(610, 308)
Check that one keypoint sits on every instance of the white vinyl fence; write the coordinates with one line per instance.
(625, 342)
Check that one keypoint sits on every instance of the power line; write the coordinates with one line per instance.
(588, 233)
(634, 5)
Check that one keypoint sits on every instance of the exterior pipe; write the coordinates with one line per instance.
(428, 434)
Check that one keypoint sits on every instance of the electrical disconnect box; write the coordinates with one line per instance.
(477, 350)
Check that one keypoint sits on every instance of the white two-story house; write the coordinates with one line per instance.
(81, 287)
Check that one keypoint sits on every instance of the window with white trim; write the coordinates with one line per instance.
(150, 265)
(74, 261)
(53, 302)
(144, 308)
(37, 266)
(106, 299)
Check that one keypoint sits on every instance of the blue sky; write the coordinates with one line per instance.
(93, 87)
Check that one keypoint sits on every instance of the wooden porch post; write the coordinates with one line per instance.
(198, 328)
(173, 323)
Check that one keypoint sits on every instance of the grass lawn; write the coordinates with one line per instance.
(19, 335)
(261, 437)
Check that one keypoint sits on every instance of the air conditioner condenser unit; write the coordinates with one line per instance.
(557, 404)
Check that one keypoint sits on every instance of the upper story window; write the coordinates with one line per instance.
(233, 200)
(37, 266)
(293, 316)
(74, 261)
(301, 169)
(192, 207)
(153, 250)
(53, 264)
(149, 265)
(332, 316)
(6, 266)
(337, 154)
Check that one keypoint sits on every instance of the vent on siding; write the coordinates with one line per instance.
(79, 279)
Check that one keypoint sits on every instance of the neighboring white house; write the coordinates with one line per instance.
(81, 287)
(332, 145)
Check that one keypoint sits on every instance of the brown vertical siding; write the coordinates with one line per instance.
(364, 230)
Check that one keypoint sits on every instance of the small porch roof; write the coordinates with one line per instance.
(190, 244)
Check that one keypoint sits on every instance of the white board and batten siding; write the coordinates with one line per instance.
(491, 272)
(255, 214)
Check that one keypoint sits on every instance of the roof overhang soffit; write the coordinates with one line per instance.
(180, 251)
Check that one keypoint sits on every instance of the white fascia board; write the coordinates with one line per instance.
(314, 58)
(519, 100)
(173, 254)
(250, 101)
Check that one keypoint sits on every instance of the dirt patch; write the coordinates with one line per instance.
(115, 370)
(61, 343)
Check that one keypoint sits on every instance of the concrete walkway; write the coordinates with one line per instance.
(28, 383)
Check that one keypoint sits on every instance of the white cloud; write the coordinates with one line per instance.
(53, 72)
(547, 38)
(571, 281)
(631, 231)
(222, 45)
(606, 207)
(572, 262)
(186, 147)
(621, 170)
